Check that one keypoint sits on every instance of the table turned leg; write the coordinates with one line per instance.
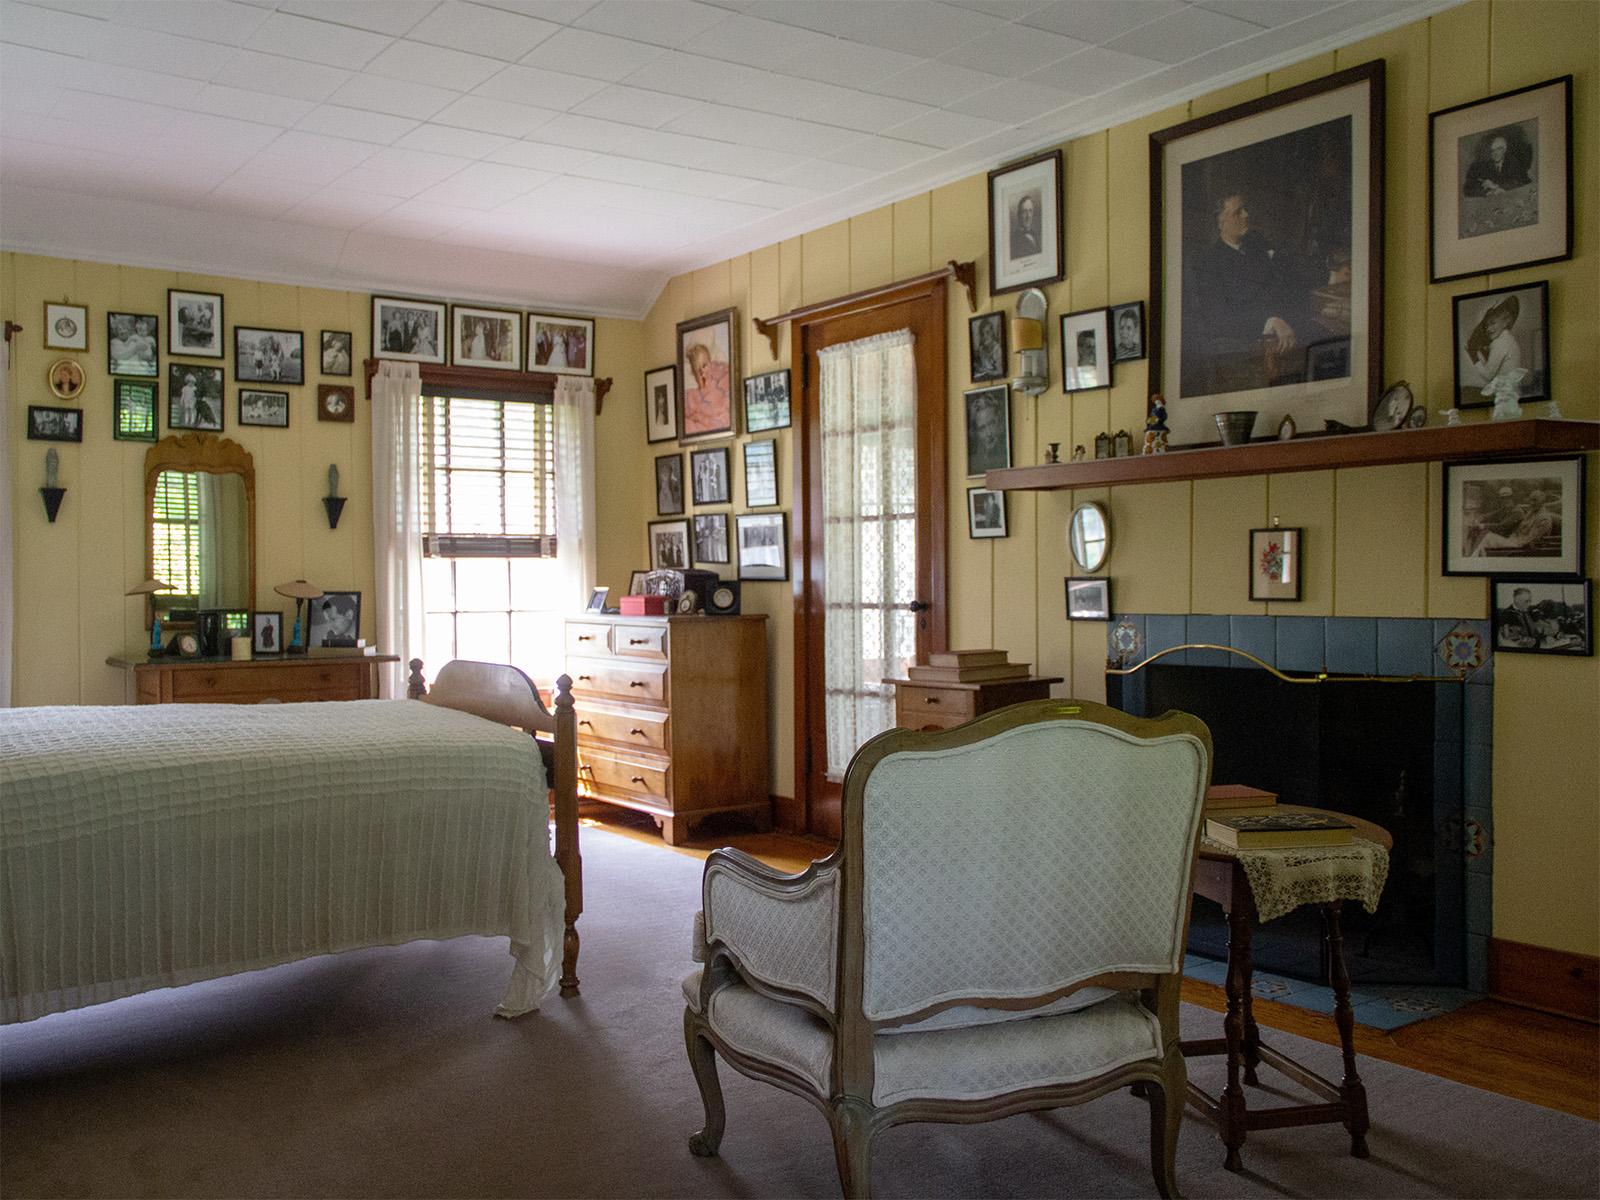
(1233, 1112)
(1351, 1090)
(1252, 1036)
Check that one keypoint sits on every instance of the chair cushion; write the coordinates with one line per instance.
(772, 1031)
(965, 1016)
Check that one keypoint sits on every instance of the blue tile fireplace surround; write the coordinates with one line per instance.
(1414, 757)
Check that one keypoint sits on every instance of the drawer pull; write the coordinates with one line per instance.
(586, 767)
(638, 641)
(586, 637)
(637, 732)
(933, 700)
(590, 724)
(635, 683)
(636, 779)
(588, 678)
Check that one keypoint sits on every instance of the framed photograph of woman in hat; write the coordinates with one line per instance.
(1502, 340)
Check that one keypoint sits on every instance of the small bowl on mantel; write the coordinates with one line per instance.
(1235, 427)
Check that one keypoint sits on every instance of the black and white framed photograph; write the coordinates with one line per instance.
(712, 475)
(766, 402)
(1275, 559)
(134, 411)
(763, 545)
(669, 544)
(1538, 616)
(268, 409)
(1514, 517)
(1086, 350)
(761, 473)
(636, 583)
(710, 539)
(669, 485)
(1266, 259)
(988, 429)
(485, 337)
(408, 330)
(338, 352)
(1089, 599)
(336, 402)
(266, 632)
(1026, 237)
(1127, 331)
(560, 345)
(335, 620)
(597, 600)
(48, 424)
(1500, 181)
(1502, 342)
(268, 355)
(194, 397)
(194, 324)
(132, 345)
(986, 513)
(661, 404)
(986, 346)
(66, 326)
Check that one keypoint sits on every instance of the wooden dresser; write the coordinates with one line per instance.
(672, 715)
(288, 678)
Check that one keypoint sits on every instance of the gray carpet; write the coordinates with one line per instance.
(381, 1073)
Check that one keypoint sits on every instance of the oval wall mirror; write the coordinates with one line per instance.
(1089, 536)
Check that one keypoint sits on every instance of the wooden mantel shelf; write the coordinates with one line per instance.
(1442, 443)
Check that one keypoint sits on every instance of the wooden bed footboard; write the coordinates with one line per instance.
(503, 694)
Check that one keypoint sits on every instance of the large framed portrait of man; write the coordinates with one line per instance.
(1266, 259)
(1026, 245)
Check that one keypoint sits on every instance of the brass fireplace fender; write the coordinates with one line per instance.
(1320, 677)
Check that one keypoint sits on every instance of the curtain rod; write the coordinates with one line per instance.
(483, 381)
(964, 273)
(1320, 677)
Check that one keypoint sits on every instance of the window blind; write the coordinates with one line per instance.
(488, 478)
(176, 532)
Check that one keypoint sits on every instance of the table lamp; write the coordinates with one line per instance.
(149, 588)
(299, 591)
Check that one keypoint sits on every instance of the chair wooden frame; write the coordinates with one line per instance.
(852, 1117)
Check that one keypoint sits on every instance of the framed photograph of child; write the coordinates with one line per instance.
(132, 344)
(268, 355)
(1086, 350)
(194, 397)
(986, 346)
(338, 351)
(1502, 345)
(1127, 331)
(1539, 616)
(266, 633)
(194, 324)
(267, 409)
(708, 374)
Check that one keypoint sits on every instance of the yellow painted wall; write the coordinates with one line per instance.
(1372, 534)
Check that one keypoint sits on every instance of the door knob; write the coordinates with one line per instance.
(919, 606)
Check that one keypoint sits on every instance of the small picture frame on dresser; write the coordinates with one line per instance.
(597, 600)
(266, 633)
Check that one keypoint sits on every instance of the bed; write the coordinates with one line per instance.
(154, 846)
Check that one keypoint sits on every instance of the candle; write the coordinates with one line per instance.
(241, 649)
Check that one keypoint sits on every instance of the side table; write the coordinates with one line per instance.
(920, 705)
(1220, 875)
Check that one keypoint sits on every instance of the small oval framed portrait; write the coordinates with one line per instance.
(66, 379)
(335, 403)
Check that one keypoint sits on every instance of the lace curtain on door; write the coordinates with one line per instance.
(869, 495)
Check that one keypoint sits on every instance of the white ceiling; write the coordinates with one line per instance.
(565, 153)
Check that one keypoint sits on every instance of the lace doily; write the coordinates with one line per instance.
(1282, 880)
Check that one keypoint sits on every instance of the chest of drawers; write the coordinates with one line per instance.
(287, 679)
(672, 715)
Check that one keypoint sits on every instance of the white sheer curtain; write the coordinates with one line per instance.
(575, 532)
(8, 572)
(397, 518)
(869, 495)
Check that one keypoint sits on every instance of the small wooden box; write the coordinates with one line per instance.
(644, 606)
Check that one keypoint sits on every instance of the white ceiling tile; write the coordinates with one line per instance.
(1013, 50)
(487, 115)
(596, 55)
(1009, 10)
(756, 129)
(828, 176)
(926, 30)
(26, 100)
(356, 123)
(1013, 102)
(393, 17)
(430, 168)
(776, 195)
(585, 133)
(659, 22)
(837, 18)
(540, 88)
(757, 43)
(863, 111)
(279, 76)
(542, 156)
(131, 83)
(209, 20)
(316, 41)
(399, 185)
(257, 197)
(48, 28)
(420, 219)
(1184, 34)
(633, 106)
(850, 63)
(297, 145)
(468, 143)
(1095, 22)
(562, 12)
(945, 129)
(439, 65)
(1268, 13)
(267, 165)
(933, 83)
(1094, 71)
(400, 97)
(338, 209)
(879, 153)
(250, 106)
(665, 176)
(479, 30)
(150, 49)
(680, 74)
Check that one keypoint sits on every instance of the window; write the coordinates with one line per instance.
(176, 534)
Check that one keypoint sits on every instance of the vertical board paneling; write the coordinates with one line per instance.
(872, 249)
(1225, 510)
(1305, 501)
(825, 263)
(911, 234)
(1381, 515)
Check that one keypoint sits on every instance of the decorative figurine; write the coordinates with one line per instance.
(1155, 427)
(1124, 443)
(1452, 416)
(1079, 453)
(1503, 387)
(1053, 454)
(1102, 445)
(1287, 428)
(333, 502)
(1554, 413)
(1418, 418)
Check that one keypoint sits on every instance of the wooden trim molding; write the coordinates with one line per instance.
(1553, 981)
(966, 274)
(486, 379)
(197, 452)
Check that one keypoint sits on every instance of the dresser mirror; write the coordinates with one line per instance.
(1089, 536)
(200, 526)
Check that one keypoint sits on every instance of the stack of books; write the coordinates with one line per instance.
(1237, 797)
(967, 666)
(1278, 830)
(357, 646)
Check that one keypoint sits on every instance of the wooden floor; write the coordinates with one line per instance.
(1498, 1047)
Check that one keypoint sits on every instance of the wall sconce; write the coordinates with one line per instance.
(1027, 340)
(51, 493)
(333, 502)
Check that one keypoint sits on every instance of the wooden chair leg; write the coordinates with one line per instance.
(703, 1058)
(851, 1123)
(1167, 1099)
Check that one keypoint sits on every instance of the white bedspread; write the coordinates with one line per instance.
(154, 846)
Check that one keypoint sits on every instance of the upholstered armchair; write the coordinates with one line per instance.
(1001, 929)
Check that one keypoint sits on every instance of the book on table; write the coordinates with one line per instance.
(1233, 797)
(1278, 830)
(967, 658)
(983, 674)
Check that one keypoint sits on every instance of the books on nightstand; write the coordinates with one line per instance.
(1278, 830)
(966, 666)
(1232, 797)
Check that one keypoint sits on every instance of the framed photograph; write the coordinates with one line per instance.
(132, 343)
(669, 485)
(1026, 242)
(1266, 259)
(194, 397)
(1086, 350)
(1536, 616)
(338, 351)
(134, 413)
(1514, 517)
(597, 597)
(761, 473)
(986, 513)
(708, 374)
(661, 404)
(335, 619)
(407, 330)
(763, 545)
(712, 474)
(1502, 341)
(1275, 557)
(65, 377)
(1500, 181)
(485, 337)
(636, 583)
(669, 544)
(194, 324)
(986, 346)
(1127, 331)
(336, 402)
(46, 424)
(766, 402)
(266, 633)
(1089, 599)
(560, 345)
(66, 326)
(710, 539)
(267, 409)
(988, 429)
(268, 355)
